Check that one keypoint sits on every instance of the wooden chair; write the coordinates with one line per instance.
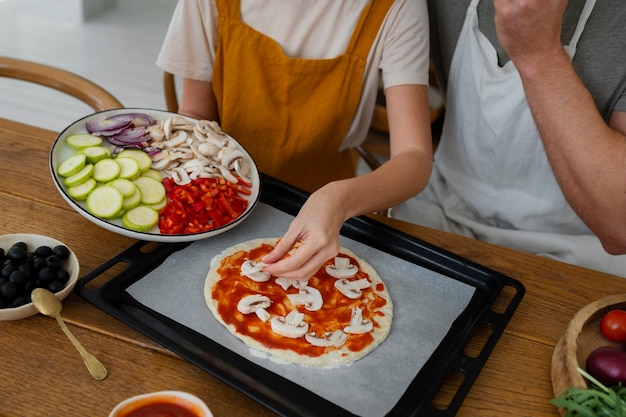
(58, 79)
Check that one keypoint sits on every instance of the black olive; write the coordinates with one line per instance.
(29, 270)
(61, 251)
(16, 253)
(46, 275)
(38, 263)
(63, 276)
(8, 291)
(20, 301)
(55, 286)
(43, 251)
(22, 245)
(54, 262)
(7, 270)
(18, 277)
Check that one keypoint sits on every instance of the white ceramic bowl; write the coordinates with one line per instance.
(34, 241)
(190, 402)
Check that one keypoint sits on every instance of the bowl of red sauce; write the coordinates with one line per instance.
(162, 404)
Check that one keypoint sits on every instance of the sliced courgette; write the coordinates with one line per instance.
(132, 200)
(80, 192)
(126, 187)
(80, 177)
(72, 165)
(105, 202)
(140, 218)
(153, 173)
(106, 170)
(143, 159)
(83, 140)
(129, 168)
(96, 153)
(152, 191)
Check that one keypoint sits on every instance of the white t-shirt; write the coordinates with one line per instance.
(312, 29)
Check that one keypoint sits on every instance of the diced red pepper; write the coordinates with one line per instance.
(202, 205)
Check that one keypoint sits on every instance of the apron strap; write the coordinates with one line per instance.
(367, 27)
(582, 22)
(229, 8)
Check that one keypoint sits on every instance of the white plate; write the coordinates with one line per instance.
(61, 151)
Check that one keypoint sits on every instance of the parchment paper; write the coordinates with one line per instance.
(425, 305)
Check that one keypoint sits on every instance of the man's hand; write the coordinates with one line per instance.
(530, 30)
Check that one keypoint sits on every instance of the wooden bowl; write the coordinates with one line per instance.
(581, 337)
(33, 241)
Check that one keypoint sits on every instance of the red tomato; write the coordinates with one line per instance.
(613, 326)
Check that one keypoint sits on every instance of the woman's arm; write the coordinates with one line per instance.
(588, 156)
(319, 221)
(198, 100)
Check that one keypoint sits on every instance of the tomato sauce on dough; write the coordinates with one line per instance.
(335, 313)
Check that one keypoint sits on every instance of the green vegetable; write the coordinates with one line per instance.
(595, 401)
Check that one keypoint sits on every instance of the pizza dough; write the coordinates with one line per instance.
(340, 315)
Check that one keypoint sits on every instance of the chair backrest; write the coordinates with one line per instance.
(58, 79)
(169, 88)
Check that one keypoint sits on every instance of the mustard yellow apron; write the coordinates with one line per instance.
(291, 114)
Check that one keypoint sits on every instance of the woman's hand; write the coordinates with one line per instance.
(315, 230)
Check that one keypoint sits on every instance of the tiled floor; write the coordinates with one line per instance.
(117, 49)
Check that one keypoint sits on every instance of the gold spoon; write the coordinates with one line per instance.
(46, 303)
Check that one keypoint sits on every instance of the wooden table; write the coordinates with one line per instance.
(41, 374)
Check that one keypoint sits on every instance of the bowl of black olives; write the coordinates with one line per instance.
(30, 261)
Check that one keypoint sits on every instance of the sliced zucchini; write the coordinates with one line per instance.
(143, 159)
(126, 187)
(96, 153)
(129, 168)
(81, 191)
(106, 170)
(142, 218)
(83, 140)
(105, 202)
(160, 205)
(72, 165)
(80, 177)
(152, 191)
(132, 200)
(153, 173)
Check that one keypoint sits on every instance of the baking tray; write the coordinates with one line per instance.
(280, 394)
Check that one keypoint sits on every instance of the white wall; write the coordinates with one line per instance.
(68, 11)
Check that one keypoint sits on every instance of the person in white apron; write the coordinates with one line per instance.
(492, 180)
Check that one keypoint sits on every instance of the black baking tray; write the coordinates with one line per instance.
(281, 395)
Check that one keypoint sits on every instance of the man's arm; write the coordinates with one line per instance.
(587, 155)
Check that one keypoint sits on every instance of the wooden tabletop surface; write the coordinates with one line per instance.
(41, 374)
